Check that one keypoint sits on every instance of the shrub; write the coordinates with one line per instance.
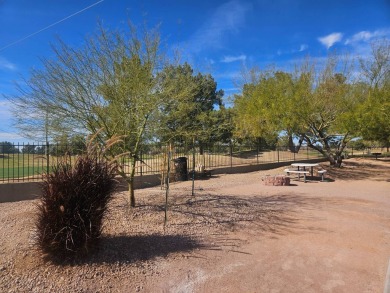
(72, 207)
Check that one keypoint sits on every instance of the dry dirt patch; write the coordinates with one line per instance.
(234, 235)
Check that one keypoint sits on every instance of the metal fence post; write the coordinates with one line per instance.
(141, 161)
(231, 154)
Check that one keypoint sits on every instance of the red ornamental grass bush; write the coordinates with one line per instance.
(73, 205)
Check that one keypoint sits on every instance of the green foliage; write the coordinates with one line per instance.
(65, 145)
(29, 149)
(373, 114)
(190, 108)
(312, 104)
(7, 147)
(72, 207)
(107, 85)
(358, 144)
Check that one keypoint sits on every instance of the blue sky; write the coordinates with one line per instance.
(216, 37)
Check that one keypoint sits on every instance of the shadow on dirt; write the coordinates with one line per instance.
(190, 216)
(360, 170)
(130, 249)
(277, 214)
(124, 249)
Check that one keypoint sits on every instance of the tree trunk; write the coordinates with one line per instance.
(291, 145)
(299, 144)
(130, 183)
(335, 159)
(193, 166)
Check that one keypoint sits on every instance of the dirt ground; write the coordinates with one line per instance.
(234, 235)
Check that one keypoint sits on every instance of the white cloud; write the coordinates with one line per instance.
(303, 47)
(229, 59)
(227, 19)
(5, 122)
(329, 40)
(8, 136)
(5, 107)
(209, 61)
(367, 36)
(360, 36)
(5, 64)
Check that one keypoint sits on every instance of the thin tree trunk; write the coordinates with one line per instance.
(167, 185)
(193, 166)
(130, 182)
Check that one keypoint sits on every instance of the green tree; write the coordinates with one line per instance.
(106, 87)
(374, 113)
(192, 113)
(313, 104)
(29, 149)
(7, 147)
(68, 145)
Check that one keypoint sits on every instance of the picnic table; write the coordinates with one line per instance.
(376, 155)
(304, 165)
(302, 170)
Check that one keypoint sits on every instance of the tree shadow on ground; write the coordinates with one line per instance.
(251, 154)
(277, 214)
(124, 249)
(220, 215)
(144, 247)
(359, 170)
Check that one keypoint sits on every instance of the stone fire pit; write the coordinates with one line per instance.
(278, 180)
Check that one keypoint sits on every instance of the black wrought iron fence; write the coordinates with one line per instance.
(27, 162)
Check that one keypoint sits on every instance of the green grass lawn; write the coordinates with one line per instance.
(20, 172)
(22, 165)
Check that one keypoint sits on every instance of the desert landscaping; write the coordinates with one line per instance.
(234, 235)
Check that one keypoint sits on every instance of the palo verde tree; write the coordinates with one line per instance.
(107, 86)
(374, 113)
(265, 107)
(312, 103)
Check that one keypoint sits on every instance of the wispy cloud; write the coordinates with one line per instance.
(367, 36)
(5, 118)
(12, 137)
(360, 43)
(6, 65)
(303, 47)
(5, 110)
(227, 19)
(229, 59)
(329, 40)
